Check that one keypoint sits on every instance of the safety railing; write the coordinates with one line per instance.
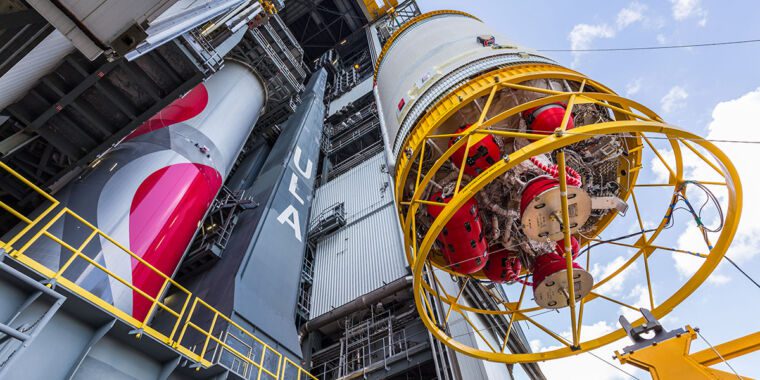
(185, 311)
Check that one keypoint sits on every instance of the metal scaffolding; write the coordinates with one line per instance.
(212, 237)
(370, 344)
(390, 22)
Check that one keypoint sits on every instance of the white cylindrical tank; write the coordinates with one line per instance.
(431, 55)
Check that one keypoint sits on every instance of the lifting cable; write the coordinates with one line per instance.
(692, 139)
(678, 196)
(697, 215)
(664, 47)
(719, 355)
(492, 328)
(613, 365)
(547, 311)
(742, 271)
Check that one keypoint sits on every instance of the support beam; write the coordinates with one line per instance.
(29, 300)
(12, 333)
(344, 8)
(117, 99)
(100, 125)
(168, 367)
(17, 42)
(729, 350)
(15, 142)
(669, 360)
(96, 337)
(21, 18)
(72, 95)
(127, 129)
(57, 298)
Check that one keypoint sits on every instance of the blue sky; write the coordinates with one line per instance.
(713, 92)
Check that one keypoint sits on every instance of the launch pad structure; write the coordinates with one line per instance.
(326, 189)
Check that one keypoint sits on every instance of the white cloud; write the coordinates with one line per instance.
(688, 9)
(630, 14)
(655, 21)
(661, 173)
(633, 87)
(719, 279)
(686, 265)
(661, 39)
(733, 120)
(586, 366)
(729, 122)
(674, 99)
(614, 285)
(640, 296)
(690, 240)
(582, 36)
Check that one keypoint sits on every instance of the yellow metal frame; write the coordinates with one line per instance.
(631, 118)
(671, 360)
(396, 34)
(728, 350)
(35, 229)
(374, 11)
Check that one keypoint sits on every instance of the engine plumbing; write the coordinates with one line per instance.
(512, 230)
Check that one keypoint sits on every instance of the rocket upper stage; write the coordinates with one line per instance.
(430, 55)
(152, 190)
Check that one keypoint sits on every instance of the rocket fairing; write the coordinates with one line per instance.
(151, 192)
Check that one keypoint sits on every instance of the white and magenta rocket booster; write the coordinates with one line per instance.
(151, 192)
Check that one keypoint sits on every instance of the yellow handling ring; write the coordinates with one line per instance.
(631, 118)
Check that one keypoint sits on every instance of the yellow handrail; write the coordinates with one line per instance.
(183, 316)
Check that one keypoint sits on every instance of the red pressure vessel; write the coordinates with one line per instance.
(550, 277)
(536, 187)
(549, 264)
(461, 241)
(547, 118)
(480, 156)
(559, 249)
(502, 265)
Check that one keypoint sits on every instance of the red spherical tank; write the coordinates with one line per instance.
(502, 265)
(461, 241)
(480, 156)
(547, 118)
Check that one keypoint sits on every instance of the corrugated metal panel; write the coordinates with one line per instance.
(181, 6)
(357, 259)
(87, 22)
(362, 190)
(469, 367)
(357, 92)
(26, 72)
